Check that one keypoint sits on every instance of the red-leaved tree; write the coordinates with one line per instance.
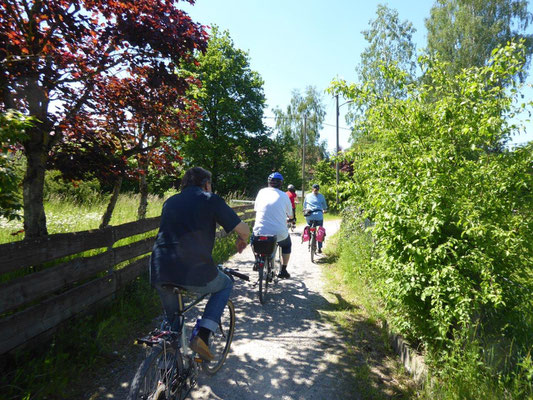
(56, 54)
(136, 120)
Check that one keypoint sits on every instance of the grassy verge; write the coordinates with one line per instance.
(64, 215)
(374, 370)
(477, 366)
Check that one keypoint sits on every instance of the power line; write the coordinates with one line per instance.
(301, 119)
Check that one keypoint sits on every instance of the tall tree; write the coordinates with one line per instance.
(53, 54)
(305, 112)
(465, 32)
(233, 101)
(389, 42)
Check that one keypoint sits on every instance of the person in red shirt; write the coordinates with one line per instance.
(294, 199)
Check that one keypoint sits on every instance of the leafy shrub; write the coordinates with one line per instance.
(87, 191)
(452, 211)
(12, 131)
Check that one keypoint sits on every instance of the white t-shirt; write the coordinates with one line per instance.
(272, 207)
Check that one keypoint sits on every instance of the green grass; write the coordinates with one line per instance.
(64, 215)
(86, 344)
(374, 371)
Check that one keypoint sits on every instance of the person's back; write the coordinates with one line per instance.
(185, 240)
(293, 197)
(182, 252)
(272, 208)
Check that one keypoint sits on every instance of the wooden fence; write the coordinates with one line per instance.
(36, 297)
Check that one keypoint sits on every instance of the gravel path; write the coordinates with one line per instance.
(281, 350)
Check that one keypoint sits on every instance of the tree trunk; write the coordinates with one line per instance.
(33, 186)
(143, 189)
(112, 202)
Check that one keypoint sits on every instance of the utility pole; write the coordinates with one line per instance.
(337, 153)
(303, 156)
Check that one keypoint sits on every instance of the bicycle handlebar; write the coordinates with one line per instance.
(237, 274)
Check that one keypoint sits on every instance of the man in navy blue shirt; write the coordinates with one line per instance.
(183, 247)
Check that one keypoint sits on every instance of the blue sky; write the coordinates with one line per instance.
(296, 43)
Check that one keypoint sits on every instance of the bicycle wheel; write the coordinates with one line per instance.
(220, 341)
(313, 247)
(155, 376)
(263, 280)
(277, 265)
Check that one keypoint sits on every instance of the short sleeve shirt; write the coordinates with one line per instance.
(272, 207)
(183, 248)
(292, 197)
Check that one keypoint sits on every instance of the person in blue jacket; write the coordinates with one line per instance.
(182, 251)
(315, 203)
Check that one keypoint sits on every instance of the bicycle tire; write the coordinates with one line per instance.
(262, 279)
(155, 375)
(313, 247)
(278, 263)
(220, 341)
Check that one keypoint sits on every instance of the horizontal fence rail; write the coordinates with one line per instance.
(47, 280)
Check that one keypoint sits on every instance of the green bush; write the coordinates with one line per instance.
(453, 234)
(78, 191)
(12, 130)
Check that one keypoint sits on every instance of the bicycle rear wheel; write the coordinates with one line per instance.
(263, 279)
(220, 341)
(277, 265)
(157, 375)
(313, 247)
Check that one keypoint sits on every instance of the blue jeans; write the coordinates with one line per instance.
(318, 222)
(220, 289)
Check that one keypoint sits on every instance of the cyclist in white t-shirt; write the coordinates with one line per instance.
(272, 208)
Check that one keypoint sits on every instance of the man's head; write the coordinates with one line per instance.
(316, 188)
(197, 176)
(291, 188)
(275, 180)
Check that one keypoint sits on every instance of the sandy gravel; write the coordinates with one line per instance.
(281, 350)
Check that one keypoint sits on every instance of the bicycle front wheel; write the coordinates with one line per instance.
(220, 341)
(157, 374)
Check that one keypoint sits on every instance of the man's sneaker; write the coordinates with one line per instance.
(200, 347)
(284, 274)
(319, 251)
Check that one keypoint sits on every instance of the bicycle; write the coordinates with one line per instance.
(171, 368)
(312, 246)
(265, 248)
(291, 224)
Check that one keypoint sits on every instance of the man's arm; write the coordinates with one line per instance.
(243, 234)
